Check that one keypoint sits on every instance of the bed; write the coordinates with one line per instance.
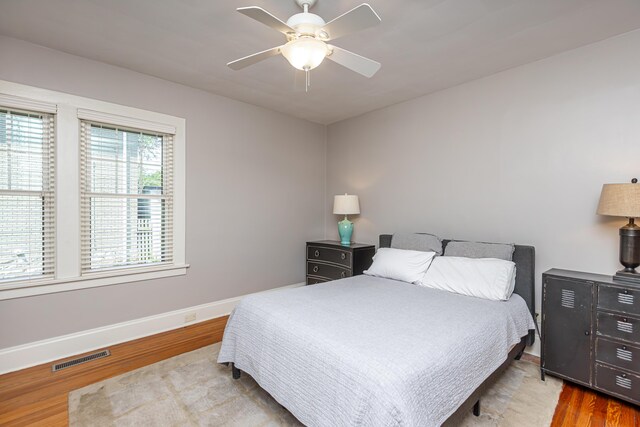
(371, 351)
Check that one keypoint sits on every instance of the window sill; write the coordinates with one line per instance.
(91, 280)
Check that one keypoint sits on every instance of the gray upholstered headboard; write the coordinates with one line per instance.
(525, 259)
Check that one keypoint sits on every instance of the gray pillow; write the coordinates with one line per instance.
(480, 250)
(417, 242)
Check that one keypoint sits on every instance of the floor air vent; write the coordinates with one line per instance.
(79, 360)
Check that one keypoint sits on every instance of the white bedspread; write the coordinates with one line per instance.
(366, 351)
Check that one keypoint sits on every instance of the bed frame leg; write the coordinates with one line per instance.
(519, 355)
(235, 372)
(476, 409)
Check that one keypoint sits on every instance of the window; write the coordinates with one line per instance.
(126, 197)
(112, 211)
(27, 214)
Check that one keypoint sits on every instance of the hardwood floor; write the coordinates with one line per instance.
(579, 406)
(38, 397)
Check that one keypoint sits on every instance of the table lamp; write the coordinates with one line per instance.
(623, 200)
(345, 205)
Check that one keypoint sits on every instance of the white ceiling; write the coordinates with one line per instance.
(423, 45)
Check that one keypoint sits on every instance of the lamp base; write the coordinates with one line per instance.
(345, 229)
(627, 277)
(629, 253)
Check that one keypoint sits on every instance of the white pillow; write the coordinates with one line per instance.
(487, 278)
(400, 264)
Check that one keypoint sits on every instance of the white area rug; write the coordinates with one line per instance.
(193, 390)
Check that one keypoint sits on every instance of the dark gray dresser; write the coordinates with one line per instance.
(591, 332)
(329, 260)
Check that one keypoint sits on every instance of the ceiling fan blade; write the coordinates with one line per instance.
(361, 65)
(241, 63)
(356, 19)
(261, 15)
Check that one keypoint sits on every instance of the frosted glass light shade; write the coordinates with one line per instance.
(305, 53)
(347, 204)
(620, 200)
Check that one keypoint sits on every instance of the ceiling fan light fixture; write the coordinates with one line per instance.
(305, 53)
(307, 34)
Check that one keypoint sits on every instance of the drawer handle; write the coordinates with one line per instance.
(343, 274)
(316, 253)
(343, 256)
(587, 333)
(624, 354)
(625, 298)
(624, 326)
(315, 269)
(623, 381)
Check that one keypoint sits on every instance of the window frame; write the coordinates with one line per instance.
(68, 110)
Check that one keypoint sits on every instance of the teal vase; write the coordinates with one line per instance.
(345, 229)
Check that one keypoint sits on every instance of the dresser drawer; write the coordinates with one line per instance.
(618, 382)
(315, 280)
(618, 326)
(332, 255)
(328, 271)
(618, 354)
(619, 299)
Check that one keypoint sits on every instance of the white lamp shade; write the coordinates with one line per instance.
(346, 204)
(305, 53)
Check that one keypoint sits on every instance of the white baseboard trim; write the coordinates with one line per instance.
(534, 350)
(39, 352)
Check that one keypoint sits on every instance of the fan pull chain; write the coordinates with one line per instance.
(307, 78)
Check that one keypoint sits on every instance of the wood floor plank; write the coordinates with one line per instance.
(628, 415)
(600, 411)
(562, 407)
(531, 358)
(574, 409)
(51, 411)
(579, 406)
(613, 413)
(584, 416)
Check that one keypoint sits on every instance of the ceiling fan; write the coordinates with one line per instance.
(307, 36)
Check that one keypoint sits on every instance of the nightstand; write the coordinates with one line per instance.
(591, 332)
(329, 260)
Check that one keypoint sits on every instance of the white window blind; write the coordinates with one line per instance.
(27, 212)
(126, 197)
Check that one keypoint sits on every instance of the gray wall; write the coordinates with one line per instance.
(255, 194)
(519, 156)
